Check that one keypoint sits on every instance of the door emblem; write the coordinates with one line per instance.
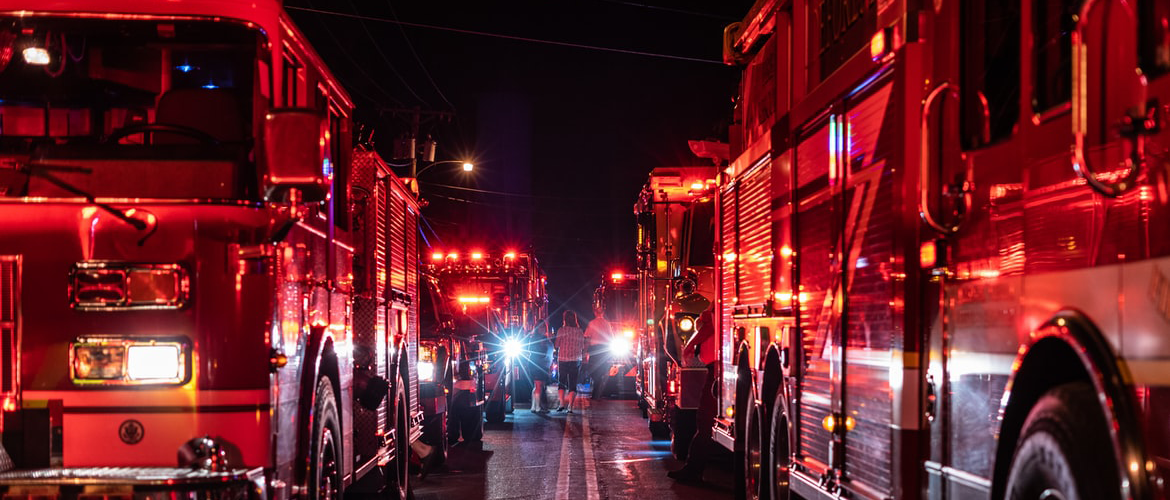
(131, 431)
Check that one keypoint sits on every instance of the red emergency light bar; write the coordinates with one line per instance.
(618, 277)
(474, 300)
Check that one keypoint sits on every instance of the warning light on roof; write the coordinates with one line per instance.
(474, 300)
(437, 256)
(877, 45)
(696, 186)
(510, 255)
(452, 255)
(476, 256)
(616, 276)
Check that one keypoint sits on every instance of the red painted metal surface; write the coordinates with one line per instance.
(1043, 197)
(137, 219)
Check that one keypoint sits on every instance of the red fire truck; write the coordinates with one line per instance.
(942, 273)
(499, 300)
(616, 299)
(444, 350)
(676, 282)
(204, 288)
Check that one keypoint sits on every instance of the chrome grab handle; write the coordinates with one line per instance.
(924, 167)
(931, 409)
(1080, 121)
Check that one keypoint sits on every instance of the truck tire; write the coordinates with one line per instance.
(397, 472)
(495, 411)
(777, 475)
(325, 455)
(682, 428)
(755, 454)
(435, 434)
(1065, 450)
(464, 418)
(659, 431)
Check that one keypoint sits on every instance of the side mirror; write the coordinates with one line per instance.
(294, 148)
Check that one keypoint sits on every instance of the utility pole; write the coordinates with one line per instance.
(416, 117)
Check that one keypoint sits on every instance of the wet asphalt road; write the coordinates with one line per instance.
(602, 450)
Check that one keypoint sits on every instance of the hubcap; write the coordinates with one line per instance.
(1051, 494)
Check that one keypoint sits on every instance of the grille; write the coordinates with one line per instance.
(9, 323)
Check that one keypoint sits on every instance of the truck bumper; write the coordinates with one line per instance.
(131, 483)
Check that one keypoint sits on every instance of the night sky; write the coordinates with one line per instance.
(563, 136)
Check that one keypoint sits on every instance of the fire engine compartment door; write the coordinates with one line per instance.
(845, 226)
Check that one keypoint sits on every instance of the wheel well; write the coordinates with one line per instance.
(743, 388)
(1069, 349)
(329, 367)
(404, 372)
(743, 368)
(773, 377)
(1049, 363)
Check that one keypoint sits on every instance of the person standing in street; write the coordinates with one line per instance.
(539, 350)
(597, 335)
(570, 344)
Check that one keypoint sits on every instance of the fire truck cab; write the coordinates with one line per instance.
(676, 281)
(205, 290)
(499, 299)
(616, 300)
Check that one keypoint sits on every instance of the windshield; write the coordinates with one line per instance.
(702, 235)
(127, 108)
(621, 305)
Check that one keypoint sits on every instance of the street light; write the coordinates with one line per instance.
(467, 166)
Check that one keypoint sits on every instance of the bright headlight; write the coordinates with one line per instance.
(154, 362)
(426, 371)
(115, 361)
(686, 324)
(513, 348)
(619, 346)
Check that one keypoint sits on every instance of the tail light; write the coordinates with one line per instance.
(96, 286)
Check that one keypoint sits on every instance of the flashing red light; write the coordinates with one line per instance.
(617, 276)
(476, 255)
(437, 256)
(510, 255)
(878, 45)
(452, 255)
(927, 254)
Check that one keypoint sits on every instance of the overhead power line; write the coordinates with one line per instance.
(410, 45)
(378, 48)
(518, 195)
(674, 10)
(360, 69)
(509, 37)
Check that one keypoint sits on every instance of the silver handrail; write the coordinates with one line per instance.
(1080, 120)
(924, 167)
